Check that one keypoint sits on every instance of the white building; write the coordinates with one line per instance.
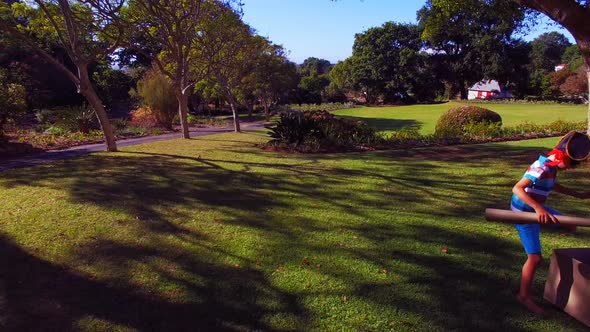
(488, 89)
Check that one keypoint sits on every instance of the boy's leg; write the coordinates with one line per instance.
(526, 282)
(530, 238)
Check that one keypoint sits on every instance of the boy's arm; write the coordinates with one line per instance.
(542, 214)
(567, 191)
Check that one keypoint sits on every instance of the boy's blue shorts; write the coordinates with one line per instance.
(530, 234)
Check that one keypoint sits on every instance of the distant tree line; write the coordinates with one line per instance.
(198, 56)
(408, 63)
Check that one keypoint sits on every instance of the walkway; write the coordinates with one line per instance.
(44, 157)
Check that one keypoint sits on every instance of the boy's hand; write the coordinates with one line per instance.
(545, 217)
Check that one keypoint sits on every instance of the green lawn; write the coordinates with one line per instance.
(425, 116)
(216, 234)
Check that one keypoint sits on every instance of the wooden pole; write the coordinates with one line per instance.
(514, 217)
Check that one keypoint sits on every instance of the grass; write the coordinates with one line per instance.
(425, 116)
(216, 234)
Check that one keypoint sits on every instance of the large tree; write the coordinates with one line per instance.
(227, 50)
(173, 27)
(548, 49)
(275, 77)
(313, 65)
(546, 52)
(574, 16)
(571, 14)
(473, 40)
(386, 61)
(80, 29)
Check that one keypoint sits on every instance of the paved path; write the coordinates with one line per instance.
(43, 157)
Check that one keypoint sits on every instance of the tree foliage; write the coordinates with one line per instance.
(84, 31)
(227, 50)
(314, 66)
(386, 61)
(172, 29)
(548, 49)
(12, 101)
(473, 38)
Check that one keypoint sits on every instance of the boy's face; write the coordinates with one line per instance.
(565, 164)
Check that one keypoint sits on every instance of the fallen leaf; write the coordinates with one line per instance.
(344, 299)
(217, 220)
(318, 266)
(258, 264)
(444, 250)
(305, 261)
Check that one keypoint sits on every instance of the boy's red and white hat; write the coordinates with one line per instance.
(574, 145)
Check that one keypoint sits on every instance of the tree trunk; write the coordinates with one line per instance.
(234, 110)
(236, 117)
(250, 110)
(182, 113)
(85, 89)
(266, 111)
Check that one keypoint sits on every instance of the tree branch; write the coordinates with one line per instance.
(48, 57)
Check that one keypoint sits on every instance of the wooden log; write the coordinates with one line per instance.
(514, 217)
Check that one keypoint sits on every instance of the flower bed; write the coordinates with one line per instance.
(26, 141)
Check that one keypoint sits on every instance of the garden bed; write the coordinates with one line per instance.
(27, 141)
(322, 132)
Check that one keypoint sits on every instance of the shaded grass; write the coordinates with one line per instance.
(215, 234)
(425, 117)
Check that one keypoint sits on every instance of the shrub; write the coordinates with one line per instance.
(144, 117)
(205, 120)
(56, 130)
(120, 124)
(292, 129)
(131, 131)
(75, 118)
(156, 95)
(558, 127)
(44, 117)
(12, 102)
(322, 107)
(483, 130)
(453, 123)
(319, 130)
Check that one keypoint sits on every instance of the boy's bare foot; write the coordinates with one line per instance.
(530, 304)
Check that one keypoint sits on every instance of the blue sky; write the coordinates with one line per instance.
(325, 29)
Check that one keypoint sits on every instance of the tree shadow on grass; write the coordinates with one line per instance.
(460, 290)
(40, 296)
(462, 296)
(149, 188)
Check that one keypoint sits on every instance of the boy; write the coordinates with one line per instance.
(529, 195)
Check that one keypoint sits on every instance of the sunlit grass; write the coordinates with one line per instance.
(424, 117)
(214, 233)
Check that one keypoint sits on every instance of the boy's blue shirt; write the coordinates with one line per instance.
(543, 180)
